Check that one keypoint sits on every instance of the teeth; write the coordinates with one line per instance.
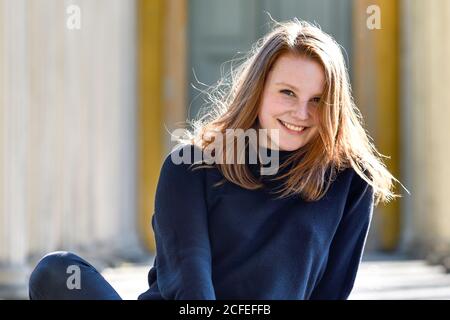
(292, 127)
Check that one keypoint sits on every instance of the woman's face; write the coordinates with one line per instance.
(290, 100)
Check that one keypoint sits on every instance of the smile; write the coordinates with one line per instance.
(292, 127)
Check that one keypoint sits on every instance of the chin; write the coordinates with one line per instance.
(289, 147)
(288, 142)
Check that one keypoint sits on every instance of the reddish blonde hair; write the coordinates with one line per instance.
(342, 142)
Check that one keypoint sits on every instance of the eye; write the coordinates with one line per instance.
(315, 100)
(288, 92)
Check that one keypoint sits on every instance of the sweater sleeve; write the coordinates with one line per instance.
(348, 243)
(183, 255)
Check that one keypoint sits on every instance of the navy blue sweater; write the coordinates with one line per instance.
(228, 242)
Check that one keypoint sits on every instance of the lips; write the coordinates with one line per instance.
(293, 128)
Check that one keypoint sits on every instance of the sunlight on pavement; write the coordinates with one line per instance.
(400, 280)
(379, 278)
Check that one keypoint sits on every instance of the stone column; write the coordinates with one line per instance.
(14, 111)
(67, 135)
(426, 122)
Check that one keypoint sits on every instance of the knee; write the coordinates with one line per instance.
(51, 270)
(54, 263)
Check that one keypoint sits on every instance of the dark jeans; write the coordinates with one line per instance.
(65, 276)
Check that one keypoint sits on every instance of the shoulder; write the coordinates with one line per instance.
(353, 180)
(360, 192)
(359, 184)
(183, 162)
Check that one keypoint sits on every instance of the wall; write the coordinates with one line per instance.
(67, 138)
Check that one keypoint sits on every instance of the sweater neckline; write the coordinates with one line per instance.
(282, 156)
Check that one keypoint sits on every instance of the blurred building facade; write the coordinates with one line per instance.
(85, 113)
(67, 139)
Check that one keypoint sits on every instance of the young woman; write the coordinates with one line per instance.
(226, 231)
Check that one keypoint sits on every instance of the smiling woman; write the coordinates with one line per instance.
(299, 234)
(295, 81)
(224, 230)
(290, 100)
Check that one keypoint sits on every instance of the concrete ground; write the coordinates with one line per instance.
(387, 277)
(390, 277)
(129, 280)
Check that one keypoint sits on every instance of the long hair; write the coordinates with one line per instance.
(341, 142)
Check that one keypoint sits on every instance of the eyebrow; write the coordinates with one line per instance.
(293, 87)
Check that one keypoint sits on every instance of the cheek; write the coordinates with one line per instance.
(272, 107)
(265, 112)
(314, 132)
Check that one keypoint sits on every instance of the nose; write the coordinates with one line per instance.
(301, 111)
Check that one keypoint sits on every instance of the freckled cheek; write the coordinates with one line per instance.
(277, 106)
(265, 114)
